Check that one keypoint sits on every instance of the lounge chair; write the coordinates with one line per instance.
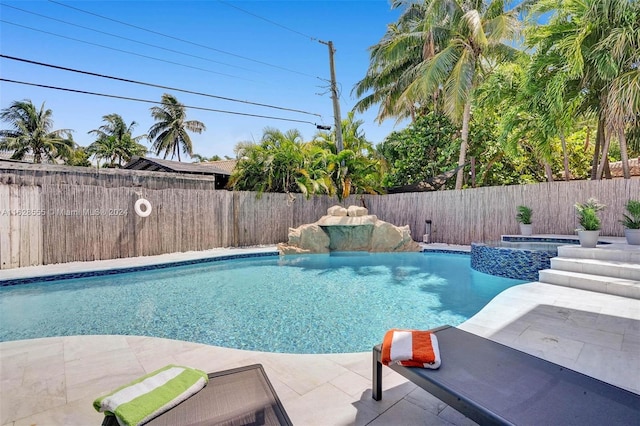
(494, 384)
(241, 396)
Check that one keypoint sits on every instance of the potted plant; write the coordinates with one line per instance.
(524, 219)
(589, 230)
(631, 222)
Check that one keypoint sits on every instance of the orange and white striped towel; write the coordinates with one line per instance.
(411, 348)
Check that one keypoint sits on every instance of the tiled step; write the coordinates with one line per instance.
(612, 252)
(602, 284)
(607, 268)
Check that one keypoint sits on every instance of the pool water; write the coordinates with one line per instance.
(295, 304)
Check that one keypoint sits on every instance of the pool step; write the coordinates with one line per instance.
(586, 281)
(612, 252)
(607, 268)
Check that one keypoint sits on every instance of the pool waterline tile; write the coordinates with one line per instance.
(124, 270)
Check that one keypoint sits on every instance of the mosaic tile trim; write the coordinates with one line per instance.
(446, 251)
(85, 274)
(545, 240)
(541, 240)
(510, 262)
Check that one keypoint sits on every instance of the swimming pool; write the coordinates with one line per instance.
(336, 303)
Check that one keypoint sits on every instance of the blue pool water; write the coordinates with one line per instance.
(295, 304)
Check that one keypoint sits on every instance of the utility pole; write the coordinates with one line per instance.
(334, 95)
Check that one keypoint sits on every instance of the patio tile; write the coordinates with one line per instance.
(12, 367)
(549, 343)
(351, 383)
(407, 413)
(76, 413)
(34, 397)
(101, 373)
(456, 418)
(426, 401)
(78, 347)
(584, 334)
(612, 366)
(50, 366)
(312, 408)
(304, 373)
(33, 349)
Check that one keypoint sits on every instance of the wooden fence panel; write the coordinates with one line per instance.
(21, 217)
(90, 222)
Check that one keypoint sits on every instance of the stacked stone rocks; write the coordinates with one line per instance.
(350, 229)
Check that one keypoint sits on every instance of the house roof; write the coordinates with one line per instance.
(227, 165)
(28, 158)
(157, 164)
(634, 167)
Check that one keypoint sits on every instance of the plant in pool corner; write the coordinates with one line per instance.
(587, 213)
(524, 215)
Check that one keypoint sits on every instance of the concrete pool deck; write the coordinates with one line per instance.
(53, 381)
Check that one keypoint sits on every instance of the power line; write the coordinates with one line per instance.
(123, 51)
(268, 20)
(126, 80)
(181, 40)
(127, 98)
(125, 38)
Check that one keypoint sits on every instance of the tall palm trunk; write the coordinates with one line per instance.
(624, 154)
(466, 118)
(547, 170)
(604, 160)
(565, 156)
(597, 148)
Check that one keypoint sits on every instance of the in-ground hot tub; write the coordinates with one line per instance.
(516, 257)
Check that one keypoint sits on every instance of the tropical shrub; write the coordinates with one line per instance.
(524, 215)
(426, 148)
(588, 214)
(632, 219)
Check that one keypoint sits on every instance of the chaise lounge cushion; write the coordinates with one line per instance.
(494, 384)
(240, 396)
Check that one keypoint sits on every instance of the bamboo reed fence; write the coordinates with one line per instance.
(44, 220)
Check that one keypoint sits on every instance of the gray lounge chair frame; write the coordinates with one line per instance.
(240, 396)
(491, 383)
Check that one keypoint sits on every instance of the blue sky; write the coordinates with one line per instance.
(247, 58)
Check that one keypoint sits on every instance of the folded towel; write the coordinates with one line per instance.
(151, 395)
(411, 348)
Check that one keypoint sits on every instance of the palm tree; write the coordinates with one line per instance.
(283, 162)
(438, 53)
(357, 168)
(169, 134)
(475, 33)
(202, 158)
(115, 142)
(31, 133)
(393, 66)
(596, 43)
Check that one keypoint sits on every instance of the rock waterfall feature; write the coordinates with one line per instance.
(352, 229)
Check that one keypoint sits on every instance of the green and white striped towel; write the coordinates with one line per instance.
(151, 395)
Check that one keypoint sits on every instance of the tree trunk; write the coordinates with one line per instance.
(565, 157)
(597, 148)
(466, 118)
(548, 171)
(605, 151)
(624, 154)
(586, 139)
(489, 165)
